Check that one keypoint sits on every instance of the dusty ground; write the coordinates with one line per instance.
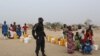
(17, 48)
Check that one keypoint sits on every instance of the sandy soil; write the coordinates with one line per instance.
(16, 48)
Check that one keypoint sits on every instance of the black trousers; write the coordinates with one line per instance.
(40, 44)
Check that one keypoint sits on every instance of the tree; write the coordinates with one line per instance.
(48, 25)
(88, 22)
(54, 26)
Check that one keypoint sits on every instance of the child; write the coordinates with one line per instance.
(77, 41)
(87, 47)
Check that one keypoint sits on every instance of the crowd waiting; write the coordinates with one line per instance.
(82, 40)
(13, 31)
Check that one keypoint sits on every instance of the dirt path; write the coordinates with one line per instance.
(17, 48)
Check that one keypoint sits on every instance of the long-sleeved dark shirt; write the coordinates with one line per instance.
(38, 31)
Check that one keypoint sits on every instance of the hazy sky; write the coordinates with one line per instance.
(65, 11)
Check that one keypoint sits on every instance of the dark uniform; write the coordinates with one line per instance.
(39, 34)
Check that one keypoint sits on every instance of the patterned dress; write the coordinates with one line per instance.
(70, 42)
(77, 42)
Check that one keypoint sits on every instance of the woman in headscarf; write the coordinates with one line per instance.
(77, 41)
(65, 29)
(89, 35)
(11, 31)
(18, 31)
(70, 41)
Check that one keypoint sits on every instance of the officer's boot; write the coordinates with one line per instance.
(43, 54)
(36, 53)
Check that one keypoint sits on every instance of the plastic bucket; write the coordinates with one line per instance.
(95, 47)
(26, 40)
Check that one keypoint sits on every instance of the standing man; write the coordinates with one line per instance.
(39, 34)
(14, 26)
(4, 30)
(25, 27)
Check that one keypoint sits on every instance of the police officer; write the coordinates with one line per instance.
(39, 34)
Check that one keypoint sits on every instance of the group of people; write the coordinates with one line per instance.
(37, 32)
(12, 30)
(81, 41)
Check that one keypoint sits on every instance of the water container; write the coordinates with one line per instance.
(26, 40)
(95, 47)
